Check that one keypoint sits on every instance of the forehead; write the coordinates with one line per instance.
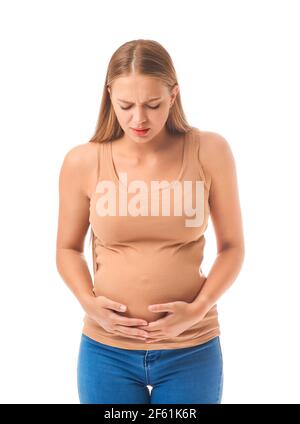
(138, 88)
(151, 99)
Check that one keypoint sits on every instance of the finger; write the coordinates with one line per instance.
(147, 328)
(168, 307)
(112, 305)
(154, 334)
(130, 321)
(154, 325)
(133, 332)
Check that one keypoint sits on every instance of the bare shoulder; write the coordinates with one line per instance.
(80, 162)
(215, 152)
(81, 155)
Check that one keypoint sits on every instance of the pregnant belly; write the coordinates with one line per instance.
(138, 290)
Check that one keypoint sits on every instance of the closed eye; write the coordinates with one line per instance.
(150, 107)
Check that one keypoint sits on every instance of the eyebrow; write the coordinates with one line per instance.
(149, 100)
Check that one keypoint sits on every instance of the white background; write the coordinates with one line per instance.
(237, 64)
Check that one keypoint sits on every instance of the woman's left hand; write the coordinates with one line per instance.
(181, 316)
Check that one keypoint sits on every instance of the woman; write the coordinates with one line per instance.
(147, 182)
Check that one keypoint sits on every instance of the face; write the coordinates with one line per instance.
(141, 101)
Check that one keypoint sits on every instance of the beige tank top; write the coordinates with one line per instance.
(148, 242)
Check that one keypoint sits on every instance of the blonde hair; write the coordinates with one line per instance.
(143, 57)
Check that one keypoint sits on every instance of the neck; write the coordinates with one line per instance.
(146, 146)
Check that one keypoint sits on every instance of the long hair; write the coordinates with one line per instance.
(143, 57)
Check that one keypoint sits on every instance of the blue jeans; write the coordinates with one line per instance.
(112, 375)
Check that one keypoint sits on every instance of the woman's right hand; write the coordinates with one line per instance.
(101, 309)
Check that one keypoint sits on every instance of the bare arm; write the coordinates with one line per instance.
(73, 224)
(218, 162)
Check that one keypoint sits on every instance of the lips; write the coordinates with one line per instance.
(140, 132)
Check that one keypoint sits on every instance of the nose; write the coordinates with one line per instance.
(139, 116)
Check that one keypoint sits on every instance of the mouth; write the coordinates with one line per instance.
(140, 131)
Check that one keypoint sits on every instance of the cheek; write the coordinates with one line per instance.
(158, 115)
(123, 117)
(162, 115)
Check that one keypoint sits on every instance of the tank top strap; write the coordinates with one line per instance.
(93, 237)
(103, 169)
(196, 142)
(99, 149)
(188, 156)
